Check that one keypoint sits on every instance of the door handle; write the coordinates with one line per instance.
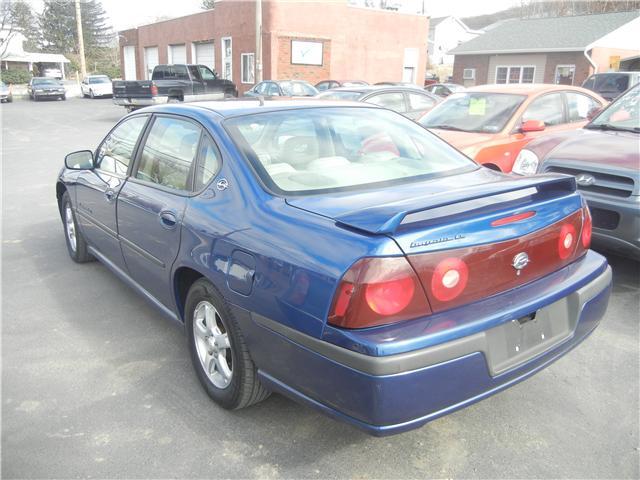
(168, 219)
(109, 195)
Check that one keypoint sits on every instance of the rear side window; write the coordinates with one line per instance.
(169, 153)
(420, 102)
(579, 106)
(116, 151)
(209, 162)
(547, 108)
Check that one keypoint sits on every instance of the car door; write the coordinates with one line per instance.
(419, 103)
(199, 86)
(212, 84)
(151, 204)
(97, 190)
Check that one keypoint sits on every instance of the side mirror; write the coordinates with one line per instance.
(532, 126)
(593, 113)
(82, 160)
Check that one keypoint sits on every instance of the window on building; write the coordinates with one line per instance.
(248, 74)
(227, 55)
(115, 153)
(565, 74)
(469, 74)
(547, 108)
(515, 74)
(169, 152)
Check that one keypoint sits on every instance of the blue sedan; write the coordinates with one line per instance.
(336, 253)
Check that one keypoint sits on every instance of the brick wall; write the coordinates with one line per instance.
(311, 73)
(479, 62)
(583, 68)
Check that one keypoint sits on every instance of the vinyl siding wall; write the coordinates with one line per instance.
(537, 60)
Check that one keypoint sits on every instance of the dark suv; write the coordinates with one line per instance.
(610, 85)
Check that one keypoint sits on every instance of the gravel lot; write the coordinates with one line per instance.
(95, 383)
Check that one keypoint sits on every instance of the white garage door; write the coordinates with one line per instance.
(205, 54)
(177, 53)
(130, 63)
(150, 60)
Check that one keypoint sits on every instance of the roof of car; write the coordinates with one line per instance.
(252, 105)
(373, 88)
(524, 88)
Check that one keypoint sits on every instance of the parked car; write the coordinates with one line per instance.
(42, 87)
(604, 156)
(397, 84)
(282, 88)
(492, 123)
(430, 79)
(5, 93)
(52, 73)
(409, 101)
(611, 84)
(329, 84)
(337, 253)
(444, 89)
(173, 83)
(96, 86)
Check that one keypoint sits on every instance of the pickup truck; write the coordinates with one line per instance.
(173, 83)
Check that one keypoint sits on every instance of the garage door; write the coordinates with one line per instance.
(150, 60)
(177, 53)
(205, 54)
(130, 63)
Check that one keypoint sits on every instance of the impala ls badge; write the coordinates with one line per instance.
(520, 261)
(585, 179)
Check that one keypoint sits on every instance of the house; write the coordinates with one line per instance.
(446, 33)
(311, 41)
(13, 56)
(561, 50)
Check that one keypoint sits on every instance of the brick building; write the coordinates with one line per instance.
(312, 41)
(555, 50)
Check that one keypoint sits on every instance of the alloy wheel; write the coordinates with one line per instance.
(212, 344)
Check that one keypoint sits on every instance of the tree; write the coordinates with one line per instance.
(16, 17)
(207, 4)
(58, 27)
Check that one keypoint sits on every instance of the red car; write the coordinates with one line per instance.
(492, 123)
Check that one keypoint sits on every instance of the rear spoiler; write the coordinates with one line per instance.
(386, 218)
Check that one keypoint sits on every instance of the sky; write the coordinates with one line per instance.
(131, 13)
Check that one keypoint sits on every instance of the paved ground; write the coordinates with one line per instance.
(96, 384)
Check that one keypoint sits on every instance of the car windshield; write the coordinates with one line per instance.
(340, 95)
(611, 83)
(298, 89)
(45, 81)
(623, 114)
(340, 148)
(99, 80)
(478, 112)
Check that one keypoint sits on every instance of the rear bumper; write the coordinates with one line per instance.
(139, 102)
(390, 394)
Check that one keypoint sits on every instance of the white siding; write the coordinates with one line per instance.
(536, 60)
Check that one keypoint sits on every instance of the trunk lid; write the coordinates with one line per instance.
(132, 88)
(489, 224)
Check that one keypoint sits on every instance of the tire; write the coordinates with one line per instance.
(10, 99)
(91, 94)
(35, 98)
(63, 97)
(76, 244)
(214, 338)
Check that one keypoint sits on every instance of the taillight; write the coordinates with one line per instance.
(449, 279)
(566, 240)
(154, 89)
(587, 226)
(378, 291)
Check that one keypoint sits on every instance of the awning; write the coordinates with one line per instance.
(29, 57)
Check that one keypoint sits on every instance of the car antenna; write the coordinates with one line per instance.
(261, 100)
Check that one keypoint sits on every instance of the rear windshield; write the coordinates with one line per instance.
(478, 112)
(610, 83)
(298, 89)
(170, 72)
(340, 95)
(99, 80)
(45, 81)
(340, 148)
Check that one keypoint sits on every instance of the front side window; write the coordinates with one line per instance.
(547, 108)
(273, 90)
(205, 73)
(579, 106)
(393, 101)
(340, 148)
(420, 102)
(116, 151)
(169, 152)
(473, 112)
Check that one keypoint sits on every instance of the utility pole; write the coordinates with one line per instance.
(258, 55)
(83, 65)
